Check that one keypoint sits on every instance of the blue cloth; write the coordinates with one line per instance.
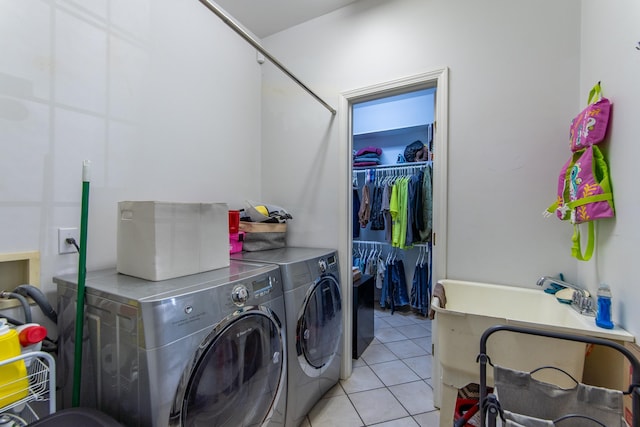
(414, 189)
(384, 294)
(376, 218)
(420, 289)
(356, 219)
(400, 295)
(366, 159)
(394, 287)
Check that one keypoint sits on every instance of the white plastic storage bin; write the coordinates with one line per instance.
(163, 240)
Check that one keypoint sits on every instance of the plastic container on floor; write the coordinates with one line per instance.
(85, 417)
(13, 376)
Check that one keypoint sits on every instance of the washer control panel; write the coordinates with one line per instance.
(322, 264)
(259, 288)
(263, 287)
(330, 263)
(240, 295)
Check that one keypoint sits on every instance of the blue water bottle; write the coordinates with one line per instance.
(603, 316)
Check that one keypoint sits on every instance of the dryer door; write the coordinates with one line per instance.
(236, 377)
(319, 326)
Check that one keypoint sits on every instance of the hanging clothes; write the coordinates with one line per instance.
(427, 200)
(420, 234)
(377, 216)
(394, 286)
(370, 265)
(385, 295)
(420, 290)
(380, 273)
(412, 233)
(359, 260)
(399, 202)
(386, 213)
(355, 214)
(400, 209)
(399, 282)
(365, 206)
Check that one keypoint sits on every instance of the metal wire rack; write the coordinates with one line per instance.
(36, 396)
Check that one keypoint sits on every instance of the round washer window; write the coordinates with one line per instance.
(236, 380)
(319, 328)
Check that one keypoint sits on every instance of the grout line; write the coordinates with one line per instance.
(424, 380)
(417, 321)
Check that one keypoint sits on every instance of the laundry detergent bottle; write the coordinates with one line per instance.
(13, 376)
(603, 316)
(30, 336)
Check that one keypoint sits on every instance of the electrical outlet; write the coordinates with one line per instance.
(63, 235)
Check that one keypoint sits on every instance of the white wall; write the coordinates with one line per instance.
(165, 101)
(609, 37)
(161, 96)
(513, 90)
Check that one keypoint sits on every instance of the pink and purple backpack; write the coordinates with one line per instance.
(584, 187)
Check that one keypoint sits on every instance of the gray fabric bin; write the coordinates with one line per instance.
(528, 402)
(261, 236)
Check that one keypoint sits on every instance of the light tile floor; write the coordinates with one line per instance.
(390, 385)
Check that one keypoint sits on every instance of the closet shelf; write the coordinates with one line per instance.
(391, 132)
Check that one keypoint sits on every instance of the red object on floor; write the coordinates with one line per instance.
(465, 409)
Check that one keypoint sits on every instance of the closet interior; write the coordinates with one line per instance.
(392, 197)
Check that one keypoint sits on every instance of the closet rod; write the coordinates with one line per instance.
(235, 27)
(396, 166)
(375, 242)
(369, 242)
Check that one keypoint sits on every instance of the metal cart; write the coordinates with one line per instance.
(489, 403)
(38, 397)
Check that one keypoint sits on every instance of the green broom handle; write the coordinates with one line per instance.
(82, 272)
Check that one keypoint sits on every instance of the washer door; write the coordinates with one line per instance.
(319, 326)
(237, 374)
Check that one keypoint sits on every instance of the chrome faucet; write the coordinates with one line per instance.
(547, 280)
(581, 300)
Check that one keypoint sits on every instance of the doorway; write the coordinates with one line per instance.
(438, 80)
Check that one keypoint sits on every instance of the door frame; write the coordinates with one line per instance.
(438, 78)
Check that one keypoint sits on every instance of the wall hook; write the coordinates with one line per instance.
(638, 47)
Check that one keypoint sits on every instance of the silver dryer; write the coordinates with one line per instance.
(207, 349)
(313, 305)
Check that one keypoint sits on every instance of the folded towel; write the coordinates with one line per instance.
(369, 149)
(366, 159)
(361, 164)
(368, 156)
(438, 291)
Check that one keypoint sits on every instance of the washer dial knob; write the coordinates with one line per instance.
(240, 295)
(322, 264)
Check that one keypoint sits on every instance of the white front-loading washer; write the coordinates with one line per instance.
(313, 306)
(207, 349)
